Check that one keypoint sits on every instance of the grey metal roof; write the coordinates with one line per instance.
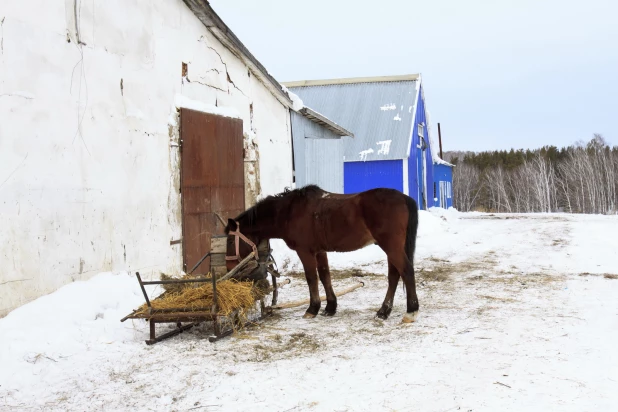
(324, 122)
(374, 111)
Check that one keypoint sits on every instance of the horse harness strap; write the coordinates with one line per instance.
(238, 235)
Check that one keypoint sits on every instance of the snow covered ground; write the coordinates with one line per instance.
(518, 312)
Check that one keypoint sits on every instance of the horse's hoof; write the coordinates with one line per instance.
(325, 313)
(384, 312)
(410, 317)
(308, 316)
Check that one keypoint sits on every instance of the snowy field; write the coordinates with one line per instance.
(518, 312)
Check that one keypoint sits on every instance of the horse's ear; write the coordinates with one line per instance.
(231, 225)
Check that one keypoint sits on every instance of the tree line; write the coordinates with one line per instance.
(581, 178)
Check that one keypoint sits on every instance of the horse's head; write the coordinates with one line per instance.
(239, 244)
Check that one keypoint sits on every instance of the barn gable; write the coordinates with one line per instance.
(393, 146)
(379, 111)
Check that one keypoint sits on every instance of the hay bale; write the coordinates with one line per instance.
(233, 296)
(176, 288)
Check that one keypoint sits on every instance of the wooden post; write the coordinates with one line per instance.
(152, 330)
(139, 279)
(215, 306)
(237, 268)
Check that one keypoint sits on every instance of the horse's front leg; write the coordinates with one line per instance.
(309, 262)
(324, 272)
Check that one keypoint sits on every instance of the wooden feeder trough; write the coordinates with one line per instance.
(249, 269)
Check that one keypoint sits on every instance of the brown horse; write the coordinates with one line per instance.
(312, 222)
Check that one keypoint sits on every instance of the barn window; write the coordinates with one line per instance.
(421, 132)
(422, 145)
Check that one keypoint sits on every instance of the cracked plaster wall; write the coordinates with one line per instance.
(88, 162)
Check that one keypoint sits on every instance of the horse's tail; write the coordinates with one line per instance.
(412, 228)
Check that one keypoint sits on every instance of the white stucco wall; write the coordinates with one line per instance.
(88, 178)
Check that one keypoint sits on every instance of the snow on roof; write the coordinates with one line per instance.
(181, 101)
(313, 115)
(297, 103)
(432, 141)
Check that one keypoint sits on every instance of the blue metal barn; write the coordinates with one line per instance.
(392, 145)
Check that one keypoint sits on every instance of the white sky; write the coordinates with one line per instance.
(497, 73)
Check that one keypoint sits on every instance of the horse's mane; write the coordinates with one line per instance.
(308, 191)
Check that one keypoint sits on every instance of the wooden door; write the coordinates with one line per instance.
(212, 180)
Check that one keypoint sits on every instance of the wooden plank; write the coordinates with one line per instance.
(218, 244)
(219, 270)
(182, 317)
(197, 199)
(238, 267)
(217, 259)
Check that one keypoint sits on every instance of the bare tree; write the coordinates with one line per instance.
(583, 180)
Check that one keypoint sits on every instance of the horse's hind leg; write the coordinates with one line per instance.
(309, 262)
(412, 300)
(402, 264)
(393, 280)
(324, 272)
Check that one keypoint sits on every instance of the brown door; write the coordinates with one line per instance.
(212, 180)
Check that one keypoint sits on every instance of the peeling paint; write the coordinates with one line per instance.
(364, 153)
(385, 146)
(252, 169)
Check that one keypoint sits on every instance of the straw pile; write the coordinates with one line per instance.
(232, 296)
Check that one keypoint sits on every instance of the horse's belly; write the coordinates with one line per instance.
(352, 244)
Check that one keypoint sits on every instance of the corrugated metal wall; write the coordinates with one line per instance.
(318, 155)
(360, 176)
(415, 161)
(443, 185)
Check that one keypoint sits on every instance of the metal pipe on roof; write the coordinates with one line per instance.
(440, 140)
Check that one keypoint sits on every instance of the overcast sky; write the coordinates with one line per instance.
(497, 73)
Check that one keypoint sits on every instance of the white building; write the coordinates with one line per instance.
(94, 129)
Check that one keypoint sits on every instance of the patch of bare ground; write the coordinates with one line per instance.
(605, 275)
(480, 269)
(339, 274)
(492, 288)
(278, 346)
(441, 270)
